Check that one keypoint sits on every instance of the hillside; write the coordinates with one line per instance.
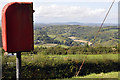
(107, 36)
(60, 34)
(41, 37)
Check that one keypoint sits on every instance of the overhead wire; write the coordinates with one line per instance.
(77, 73)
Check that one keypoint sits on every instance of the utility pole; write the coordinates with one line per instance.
(18, 65)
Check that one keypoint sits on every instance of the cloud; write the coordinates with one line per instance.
(77, 0)
(56, 11)
(59, 10)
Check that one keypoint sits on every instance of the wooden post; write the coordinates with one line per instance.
(18, 65)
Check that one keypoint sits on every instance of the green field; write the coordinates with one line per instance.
(101, 75)
(62, 66)
(90, 58)
(93, 76)
(52, 36)
(49, 45)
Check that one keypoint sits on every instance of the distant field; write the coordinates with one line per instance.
(72, 37)
(64, 46)
(110, 42)
(49, 45)
(52, 36)
(89, 43)
(59, 39)
(76, 40)
(114, 30)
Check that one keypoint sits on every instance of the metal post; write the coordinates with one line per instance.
(18, 65)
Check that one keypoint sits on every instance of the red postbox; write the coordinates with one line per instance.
(17, 27)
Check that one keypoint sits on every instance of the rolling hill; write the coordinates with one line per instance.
(107, 36)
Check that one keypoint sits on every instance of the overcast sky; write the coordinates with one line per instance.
(85, 11)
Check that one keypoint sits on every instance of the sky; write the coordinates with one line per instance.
(83, 11)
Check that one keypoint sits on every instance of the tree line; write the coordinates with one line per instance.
(58, 50)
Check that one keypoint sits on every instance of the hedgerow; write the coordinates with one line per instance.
(49, 67)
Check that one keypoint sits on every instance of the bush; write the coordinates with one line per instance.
(75, 50)
(44, 67)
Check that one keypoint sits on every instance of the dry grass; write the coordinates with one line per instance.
(72, 37)
(49, 45)
(89, 43)
(75, 39)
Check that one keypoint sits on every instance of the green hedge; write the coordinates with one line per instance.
(57, 50)
(49, 68)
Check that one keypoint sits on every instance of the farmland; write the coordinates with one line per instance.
(76, 35)
(60, 50)
(82, 41)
